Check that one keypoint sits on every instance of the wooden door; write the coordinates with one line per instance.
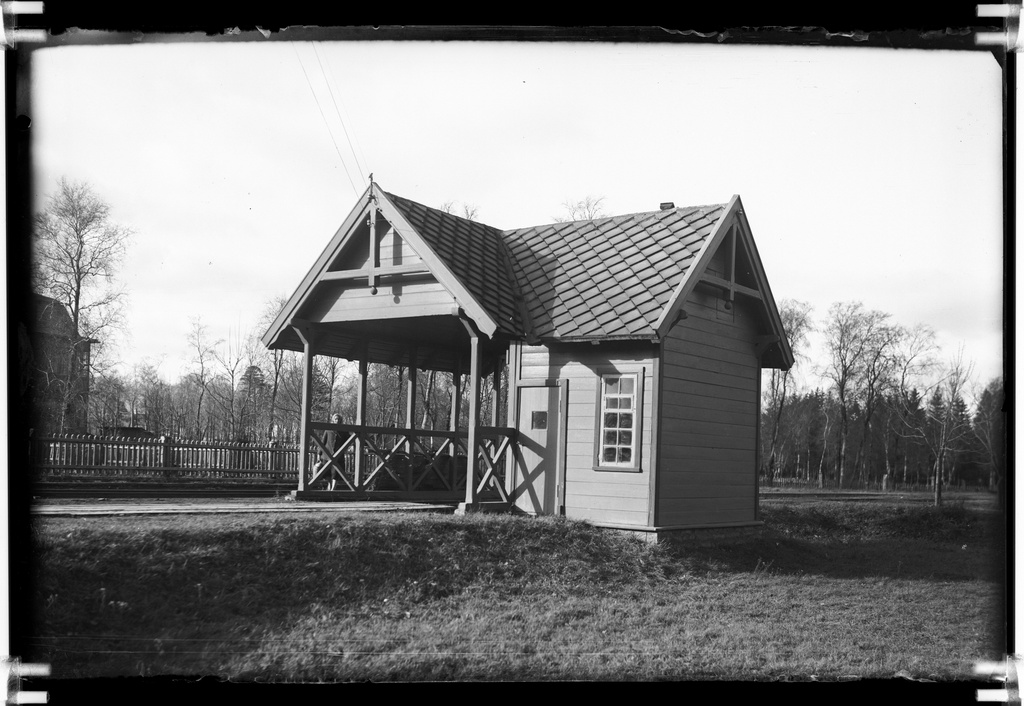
(536, 489)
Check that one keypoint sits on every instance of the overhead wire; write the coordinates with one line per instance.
(326, 124)
(330, 81)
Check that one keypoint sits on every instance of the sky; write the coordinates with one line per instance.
(867, 174)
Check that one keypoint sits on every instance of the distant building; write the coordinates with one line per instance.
(58, 391)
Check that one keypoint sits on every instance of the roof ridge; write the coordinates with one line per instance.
(446, 214)
(601, 219)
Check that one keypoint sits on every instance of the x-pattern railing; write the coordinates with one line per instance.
(393, 452)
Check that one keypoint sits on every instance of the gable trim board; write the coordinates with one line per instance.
(433, 265)
(484, 323)
(733, 218)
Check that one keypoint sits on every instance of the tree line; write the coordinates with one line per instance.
(240, 391)
(890, 410)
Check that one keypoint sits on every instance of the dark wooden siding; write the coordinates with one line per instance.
(709, 411)
(602, 497)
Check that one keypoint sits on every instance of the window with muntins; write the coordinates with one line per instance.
(618, 420)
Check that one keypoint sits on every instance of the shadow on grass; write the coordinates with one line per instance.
(933, 544)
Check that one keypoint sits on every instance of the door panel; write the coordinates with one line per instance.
(536, 487)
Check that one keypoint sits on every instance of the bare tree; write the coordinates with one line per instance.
(857, 341)
(878, 376)
(940, 427)
(78, 251)
(230, 359)
(469, 211)
(796, 320)
(201, 373)
(276, 361)
(990, 428)
(586, 209)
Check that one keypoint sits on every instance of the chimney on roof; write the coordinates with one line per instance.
(666, 205)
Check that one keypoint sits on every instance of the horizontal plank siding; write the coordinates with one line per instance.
(591, 503)
(734, 442)
(709, 416)
(715, 411)
(608, 497)
(679, 455)
(688, 362)
(714, 473)
(684, 494)
(677, 390)
(358, 303)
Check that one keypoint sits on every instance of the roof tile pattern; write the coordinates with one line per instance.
(607, 278)
(475, 254)
(580, 280)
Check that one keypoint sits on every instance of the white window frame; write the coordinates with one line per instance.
(603, 408)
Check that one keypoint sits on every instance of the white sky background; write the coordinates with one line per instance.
(867, 174)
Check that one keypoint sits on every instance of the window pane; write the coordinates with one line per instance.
(611, 386)
(610, 437)
(609, 454)
(625, 455)
(626, 386)
(625, 438)
(625, 420)
(611, 420)
(612, 403)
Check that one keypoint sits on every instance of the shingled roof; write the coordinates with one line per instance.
(475, 254)
(615, 278)
(609, 278)
(604, 279)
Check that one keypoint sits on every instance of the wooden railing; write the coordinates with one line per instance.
(84, 456)
(367, 458)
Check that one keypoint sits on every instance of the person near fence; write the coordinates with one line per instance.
(331, 445)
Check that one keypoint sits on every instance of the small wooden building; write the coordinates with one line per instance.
(633, 347)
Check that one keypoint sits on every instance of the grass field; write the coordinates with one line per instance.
(829, 590)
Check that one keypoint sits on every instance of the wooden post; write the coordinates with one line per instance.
(474, 417)
(512, 360)
(372, 260)
(360, 420)
(495, 415)
(456, 393)
(410, 416)
(307, 402)
(410, 399)
(166, 456)
(495, 394)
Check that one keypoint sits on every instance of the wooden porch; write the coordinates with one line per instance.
(380, 293)
(408, 464)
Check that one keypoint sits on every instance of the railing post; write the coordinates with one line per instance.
(305, 335)
(410, 416)
(512, 361)
(472, 439)
(166, 458)
(360, 460)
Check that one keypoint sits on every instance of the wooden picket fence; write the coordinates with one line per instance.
(74, 456)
